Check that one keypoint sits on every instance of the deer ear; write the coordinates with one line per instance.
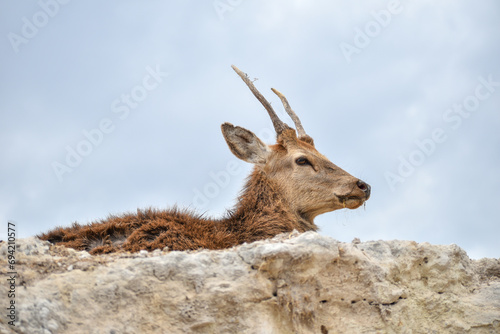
(245, 144)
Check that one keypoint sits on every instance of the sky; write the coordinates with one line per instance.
(106, 107)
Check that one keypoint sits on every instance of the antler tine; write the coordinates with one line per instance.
(291, 113)
(279, 126)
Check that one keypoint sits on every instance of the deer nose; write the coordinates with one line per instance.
(365, 187)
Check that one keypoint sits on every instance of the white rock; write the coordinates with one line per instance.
(294, 283)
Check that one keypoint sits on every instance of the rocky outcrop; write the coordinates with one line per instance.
(300, 283)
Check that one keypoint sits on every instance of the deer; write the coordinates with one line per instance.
(290, 184)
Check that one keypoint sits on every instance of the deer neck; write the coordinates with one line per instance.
(263, 200)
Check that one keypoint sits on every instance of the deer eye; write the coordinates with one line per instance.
(302, 161)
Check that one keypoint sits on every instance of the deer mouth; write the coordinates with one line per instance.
(356, 197)
(351, 202)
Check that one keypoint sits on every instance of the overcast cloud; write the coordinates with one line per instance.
(111, 106)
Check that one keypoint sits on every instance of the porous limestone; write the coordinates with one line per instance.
(299, 283)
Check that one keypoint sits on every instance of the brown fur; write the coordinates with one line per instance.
(290, 185)
(261, 213)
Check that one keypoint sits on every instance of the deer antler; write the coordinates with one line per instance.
(279, 126)
(291, 113)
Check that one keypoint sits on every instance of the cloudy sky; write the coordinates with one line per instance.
(106, 107)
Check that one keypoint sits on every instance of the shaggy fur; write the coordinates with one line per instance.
(261, 212)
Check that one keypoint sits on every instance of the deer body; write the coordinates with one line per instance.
(290, 185)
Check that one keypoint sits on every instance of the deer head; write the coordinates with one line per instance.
(309, 182)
